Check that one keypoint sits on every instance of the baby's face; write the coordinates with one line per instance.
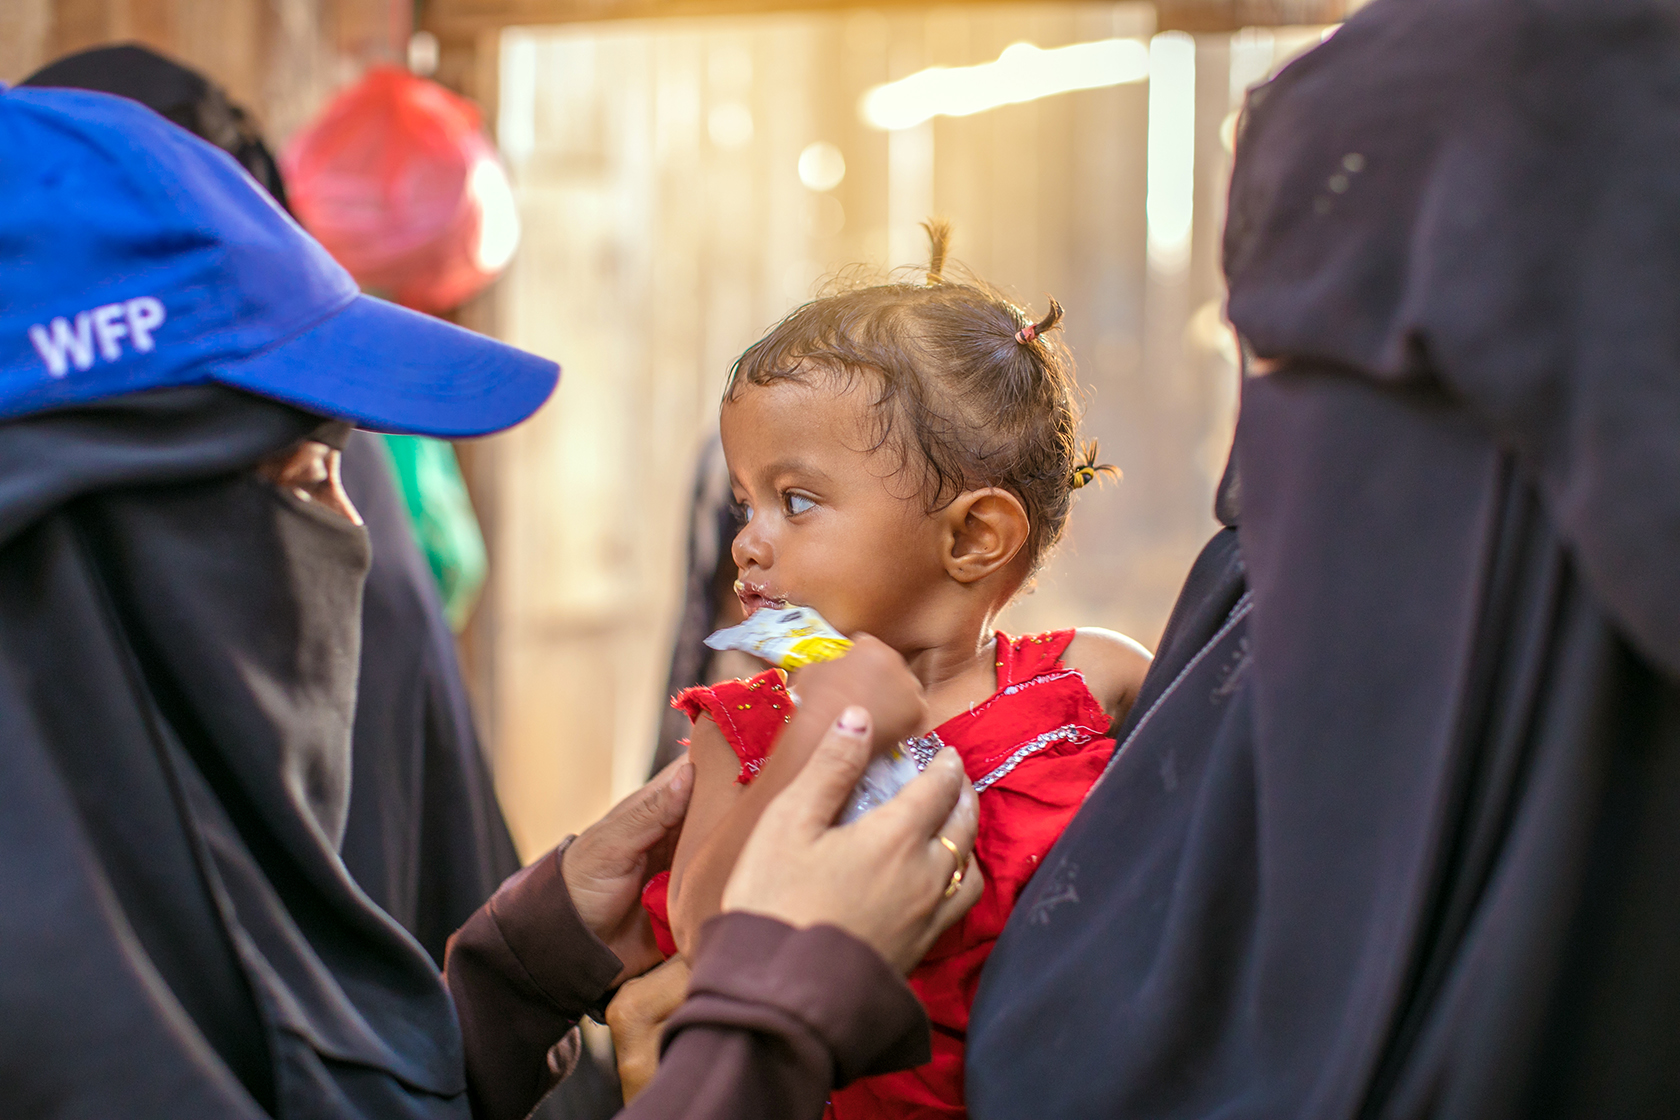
(833, 523)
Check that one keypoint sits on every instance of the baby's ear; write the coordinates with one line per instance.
(984, 531)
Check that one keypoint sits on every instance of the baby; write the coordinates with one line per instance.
(906, 455)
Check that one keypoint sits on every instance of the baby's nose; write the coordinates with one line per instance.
(749, 549)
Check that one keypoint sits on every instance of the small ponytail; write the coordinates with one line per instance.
(939, 247)
(1050, 321)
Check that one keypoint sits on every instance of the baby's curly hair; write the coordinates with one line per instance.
(963, 376)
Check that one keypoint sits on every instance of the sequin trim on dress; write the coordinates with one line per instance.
(922, 748)
(1066, 733)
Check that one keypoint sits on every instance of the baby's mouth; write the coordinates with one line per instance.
(755, 596)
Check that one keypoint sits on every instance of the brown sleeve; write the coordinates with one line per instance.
(522, 971)
(775, 1018)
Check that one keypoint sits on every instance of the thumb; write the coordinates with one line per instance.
(648, 815)
(815, 796)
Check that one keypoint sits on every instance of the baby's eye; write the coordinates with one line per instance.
(797, 503)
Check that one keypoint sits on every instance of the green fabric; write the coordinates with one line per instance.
(444, 523)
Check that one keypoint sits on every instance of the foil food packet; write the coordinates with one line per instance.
(791, 638)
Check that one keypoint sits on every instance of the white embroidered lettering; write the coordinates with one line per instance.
(109, 330)
(145, 315)
(64, 345)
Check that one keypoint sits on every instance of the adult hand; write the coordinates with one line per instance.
(637, 1015)
(606, 867)
(881, 878)
(871, 674)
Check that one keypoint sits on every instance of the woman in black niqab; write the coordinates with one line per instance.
(178, 652)
(424, 835)
(1394, 830)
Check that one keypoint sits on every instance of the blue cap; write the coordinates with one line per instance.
(134, 255)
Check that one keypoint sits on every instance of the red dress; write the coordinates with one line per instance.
(1032, 750)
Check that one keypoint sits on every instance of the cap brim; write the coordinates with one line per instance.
(390, 369)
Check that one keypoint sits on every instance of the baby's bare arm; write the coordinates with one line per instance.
(715, 794)
(1113, 665)
(873, 676)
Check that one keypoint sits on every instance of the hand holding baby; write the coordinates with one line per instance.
(604, 868)
(884, 878)
(872, 675)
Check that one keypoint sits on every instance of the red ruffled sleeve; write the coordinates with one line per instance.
(750, 713)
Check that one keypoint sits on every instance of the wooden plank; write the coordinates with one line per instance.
(25, 28)
(1233, 15)
(461, 18)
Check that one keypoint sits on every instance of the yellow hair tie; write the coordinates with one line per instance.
(1087, 470)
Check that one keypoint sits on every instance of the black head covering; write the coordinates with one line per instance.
(184, 96)
(424, 835)
(179, 669)
(1394, 829)
(1481, 197)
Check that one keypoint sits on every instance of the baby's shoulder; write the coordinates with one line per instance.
(1113, 666)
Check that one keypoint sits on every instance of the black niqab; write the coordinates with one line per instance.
(425, 837)
(180, 641)
(1392, 831)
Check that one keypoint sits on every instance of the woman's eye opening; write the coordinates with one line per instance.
(310, 472)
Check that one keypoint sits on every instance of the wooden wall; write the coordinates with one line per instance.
(462, 18)
(279, 58)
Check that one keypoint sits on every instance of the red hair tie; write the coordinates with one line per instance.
(1026, 334)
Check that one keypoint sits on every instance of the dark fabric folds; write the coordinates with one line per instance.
(1482, 195)
(1394, 830)
(1122, 958)
(178, 651)
(746, 965)
(425, 837)
(524, 970)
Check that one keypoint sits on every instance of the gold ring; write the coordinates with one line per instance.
(962, 866)
(952, 848)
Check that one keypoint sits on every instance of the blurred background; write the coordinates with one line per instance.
(680, 175)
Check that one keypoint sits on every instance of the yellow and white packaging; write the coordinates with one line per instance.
(791, 638)
(788, 637)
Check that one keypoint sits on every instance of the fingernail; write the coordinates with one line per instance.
(853, 721)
